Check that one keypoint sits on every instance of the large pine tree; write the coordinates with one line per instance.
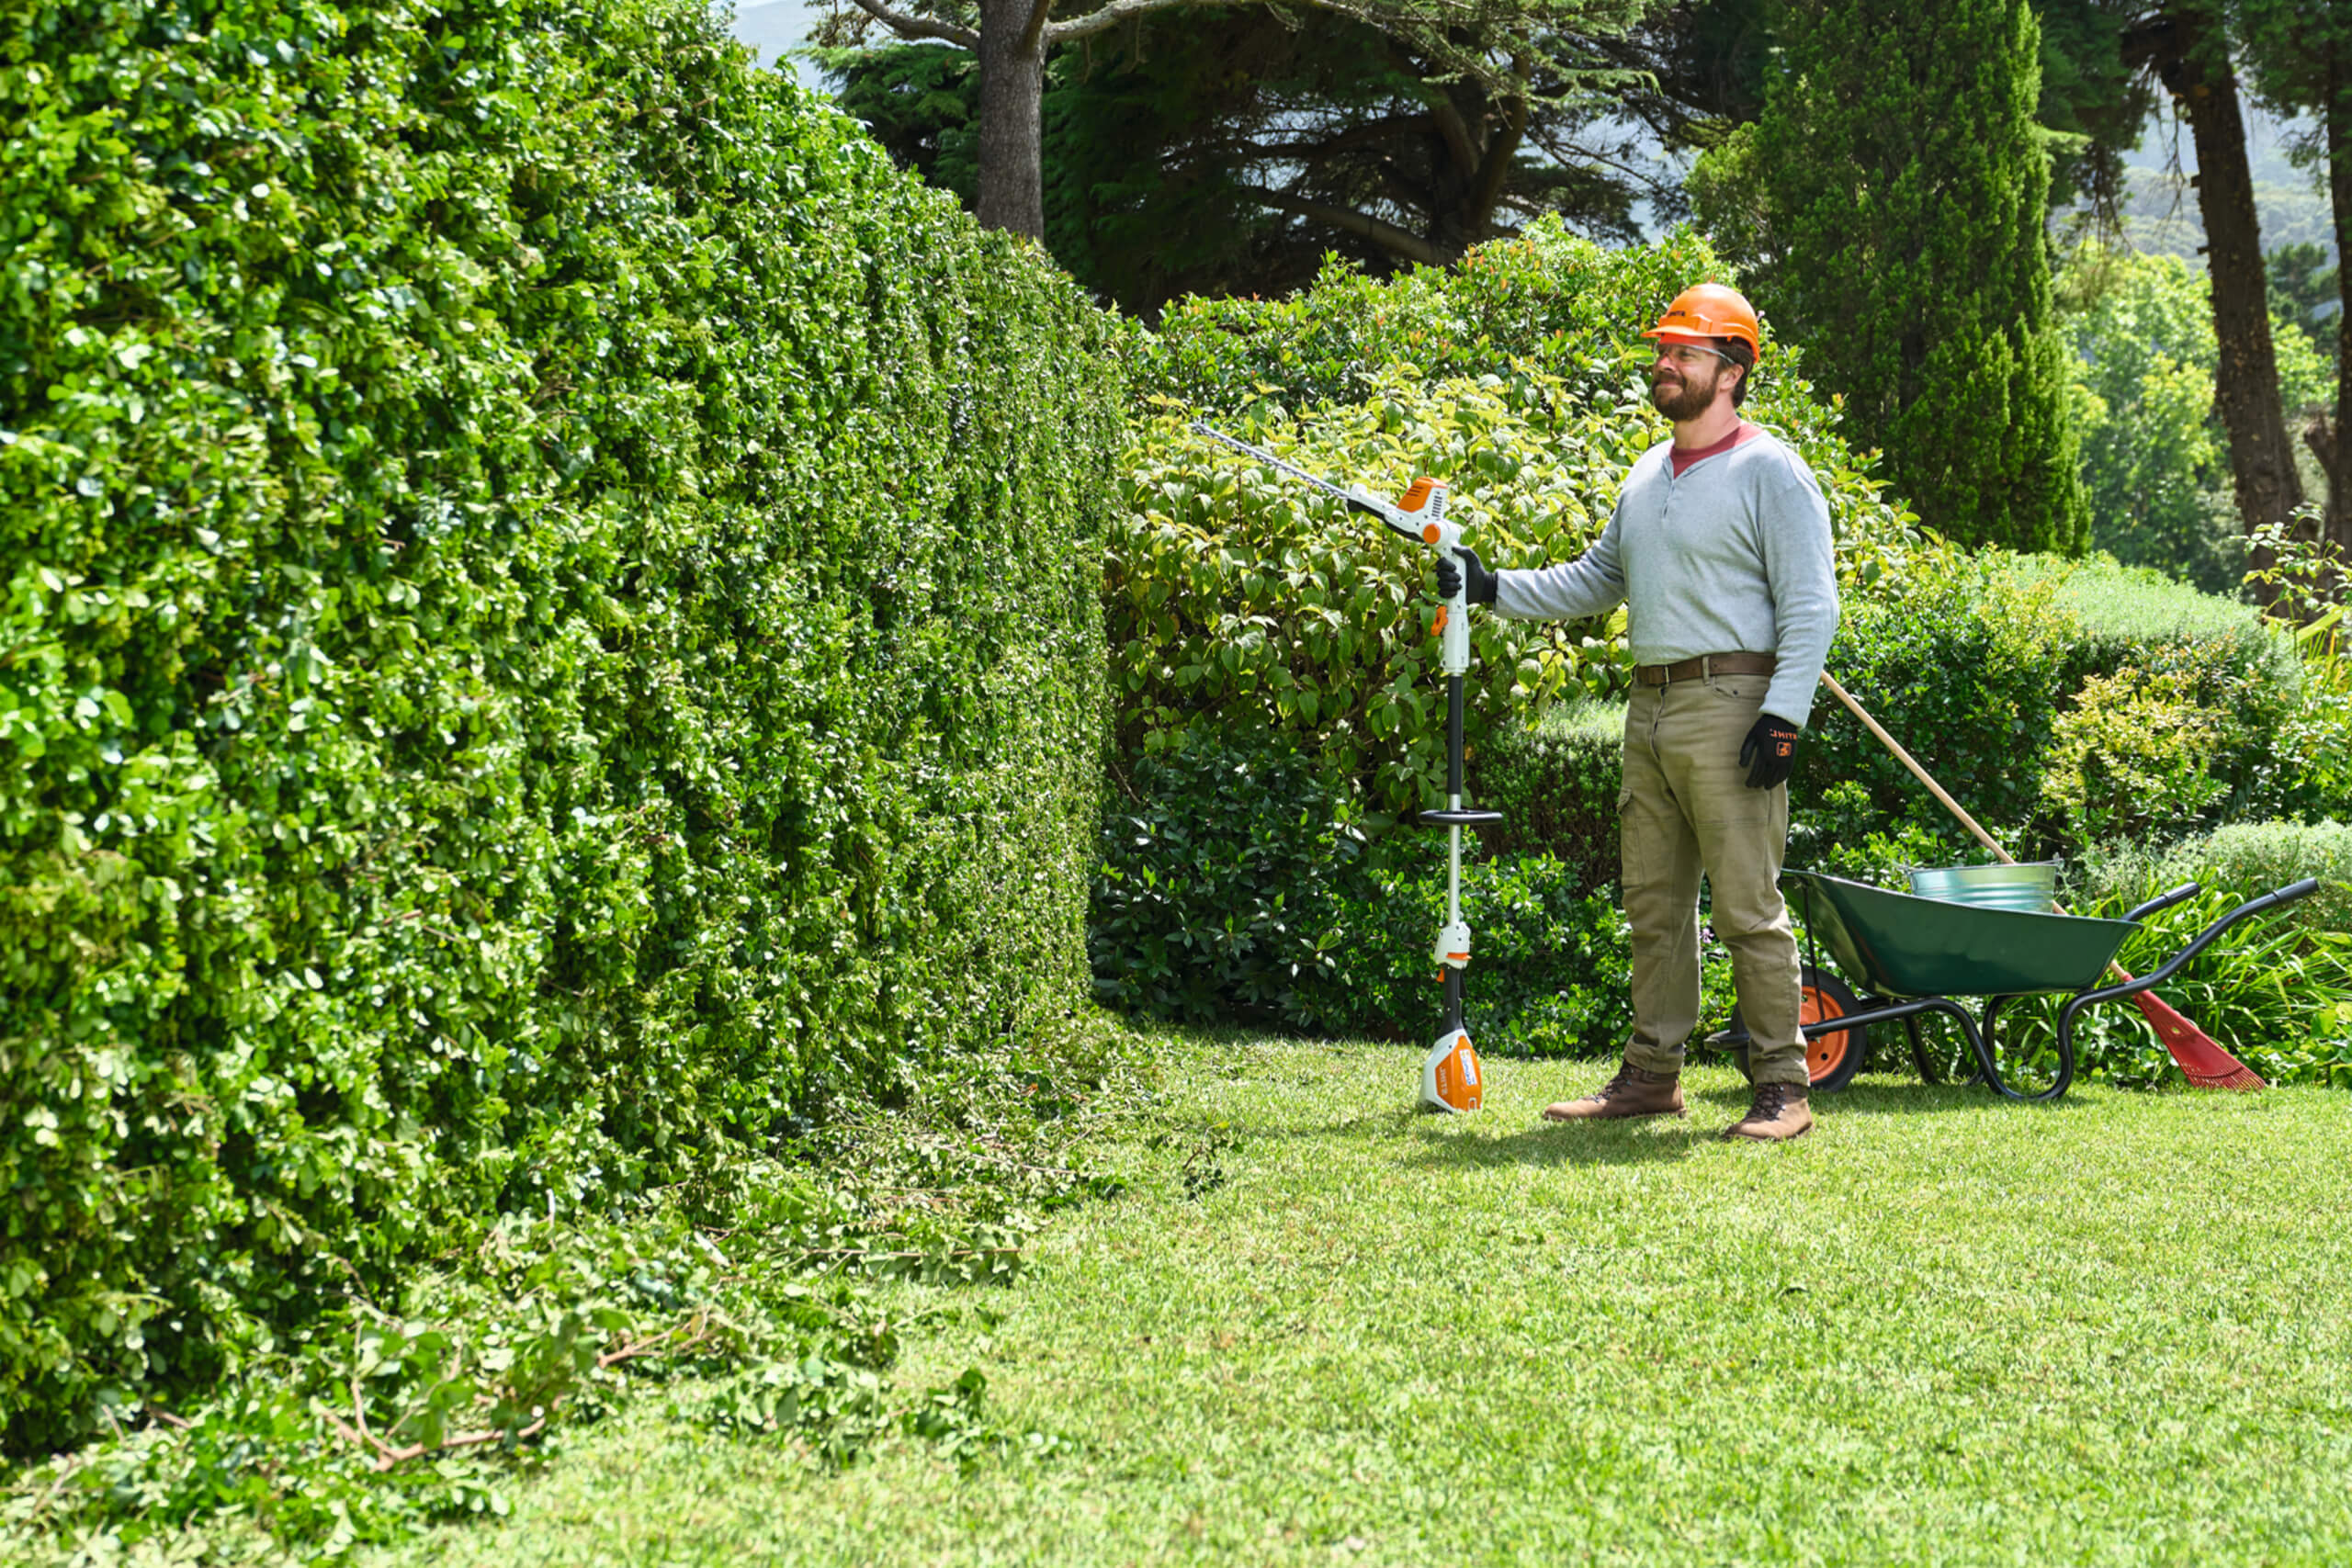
(1893, 194)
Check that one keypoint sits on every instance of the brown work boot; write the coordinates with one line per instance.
(1778, 1111)
(1633, 1092)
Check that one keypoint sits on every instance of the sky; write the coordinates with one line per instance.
(774, 28)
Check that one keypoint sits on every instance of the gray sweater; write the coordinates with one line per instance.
(1733, 556)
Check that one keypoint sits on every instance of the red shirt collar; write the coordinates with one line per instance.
(1744, 432)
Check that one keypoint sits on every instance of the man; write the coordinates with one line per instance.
(1720, 546)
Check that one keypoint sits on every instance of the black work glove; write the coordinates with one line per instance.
(1449, 577)
(1768, 752)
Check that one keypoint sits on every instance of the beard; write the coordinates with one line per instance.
(1681, 398)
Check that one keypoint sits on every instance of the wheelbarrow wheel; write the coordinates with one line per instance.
(1831, 1060)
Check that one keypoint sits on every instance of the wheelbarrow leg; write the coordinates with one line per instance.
(1985, 1041)
(1961, 1073)
(1880, 1009)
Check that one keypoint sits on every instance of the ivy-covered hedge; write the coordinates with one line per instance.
(553, 623)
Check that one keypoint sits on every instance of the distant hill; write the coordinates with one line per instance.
(2161, 216)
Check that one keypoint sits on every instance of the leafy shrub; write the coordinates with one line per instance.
(1574, 307)
(2137, 750)
(2239, 860)
(1222, 880)
(1555, 780)
(2306, 585)
(2017, 701)
(554, 626)
(2209, 675)
(2317, 738)
(1243, 602)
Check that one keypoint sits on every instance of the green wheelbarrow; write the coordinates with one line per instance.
(1912, 957)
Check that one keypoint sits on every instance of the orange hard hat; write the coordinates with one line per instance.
(1709, 310)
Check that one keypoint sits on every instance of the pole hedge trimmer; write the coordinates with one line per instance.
(1449, 1076)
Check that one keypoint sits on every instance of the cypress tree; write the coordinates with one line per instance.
(1900, 189)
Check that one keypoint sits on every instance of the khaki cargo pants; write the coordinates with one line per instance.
(1685, 809)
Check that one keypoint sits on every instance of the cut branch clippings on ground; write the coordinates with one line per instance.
(386, 1457)
(701, 1329)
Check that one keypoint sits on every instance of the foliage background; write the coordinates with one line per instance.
(552, 628)
(2140, 332)
(1250, 616)
(2070, 705)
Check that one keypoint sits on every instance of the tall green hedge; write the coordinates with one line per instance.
(553, 623)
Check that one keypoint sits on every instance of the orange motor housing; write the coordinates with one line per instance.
(1449, 1076)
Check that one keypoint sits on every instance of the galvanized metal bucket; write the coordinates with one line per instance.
(2031, 885)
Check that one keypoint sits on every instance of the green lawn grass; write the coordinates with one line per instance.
(1320, 1328)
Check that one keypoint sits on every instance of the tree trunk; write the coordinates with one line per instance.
(1012, 84)
(2191, 56)
(2333, 446)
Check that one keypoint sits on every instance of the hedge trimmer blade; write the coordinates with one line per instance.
(1360, 499)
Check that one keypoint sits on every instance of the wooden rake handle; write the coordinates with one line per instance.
(1918, 771)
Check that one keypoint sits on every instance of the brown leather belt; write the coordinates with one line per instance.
(1705, 664)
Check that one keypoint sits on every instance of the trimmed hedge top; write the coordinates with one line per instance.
(552, 624)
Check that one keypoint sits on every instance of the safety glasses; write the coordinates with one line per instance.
(1685, 355)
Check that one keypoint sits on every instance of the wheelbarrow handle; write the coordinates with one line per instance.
(2202, 941)
(2287, 895)
(2163, 901)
